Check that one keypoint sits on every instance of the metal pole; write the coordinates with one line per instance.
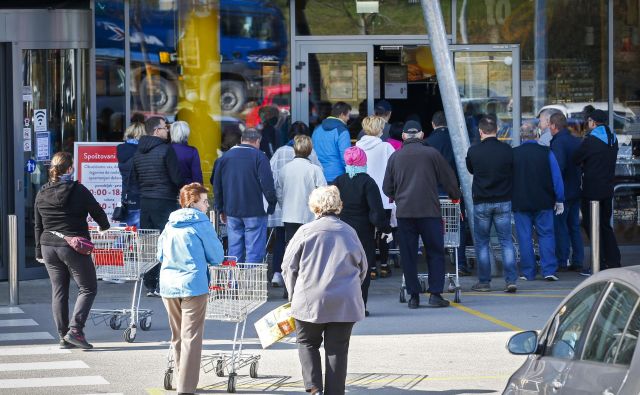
(595, 236)
(13, 260)
(450, 97)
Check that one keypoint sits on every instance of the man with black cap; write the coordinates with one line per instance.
(597, 156)
(382, 109)
(411, 179)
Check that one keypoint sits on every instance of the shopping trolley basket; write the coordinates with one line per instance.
(235, 290)
(451, 223)
(124, 253)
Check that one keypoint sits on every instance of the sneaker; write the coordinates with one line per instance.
(77, 338)
(151, 294)
(65, 345)
(277, 281)
(414, 301)
(481, 287)
(436, 300)
(511, 288)
(551, 277)
(156, 293)
(523, 278)
(585, 272)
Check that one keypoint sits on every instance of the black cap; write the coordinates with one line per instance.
(412, 127)
(382, 107)
(599, 116)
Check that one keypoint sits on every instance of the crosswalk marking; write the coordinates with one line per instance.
(11, 310)
(47, 350)
(53, 365)
(52, 382)
(5, 337)
(20, 322)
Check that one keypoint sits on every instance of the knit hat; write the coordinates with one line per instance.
(355, 156)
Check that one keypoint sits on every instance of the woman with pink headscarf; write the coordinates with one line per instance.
(361, 207)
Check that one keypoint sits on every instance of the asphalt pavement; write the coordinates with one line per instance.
(455, 350)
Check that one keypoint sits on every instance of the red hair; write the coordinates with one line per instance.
(190, 194)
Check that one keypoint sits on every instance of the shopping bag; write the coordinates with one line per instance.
(275, 325)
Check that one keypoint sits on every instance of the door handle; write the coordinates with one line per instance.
(556, 385)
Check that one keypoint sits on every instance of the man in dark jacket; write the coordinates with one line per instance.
(440, 140)
(567, 224)
(156, 171)
(538, 191)
(411, 180)
(597, 156)
(491, 163)
(242, 178)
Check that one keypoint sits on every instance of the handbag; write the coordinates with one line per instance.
(120, 213)
(81, 245)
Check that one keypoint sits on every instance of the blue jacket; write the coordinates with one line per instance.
(564, 145)
(242, 177)
(185, 248)
(330, 140)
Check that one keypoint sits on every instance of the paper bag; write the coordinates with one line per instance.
(275, 325)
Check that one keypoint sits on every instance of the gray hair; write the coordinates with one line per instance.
(325, 200)
(547, 113)
(251, 135)
(180, 132)
(528, 131)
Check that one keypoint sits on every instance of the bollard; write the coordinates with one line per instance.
(13, 260)
(595, 236)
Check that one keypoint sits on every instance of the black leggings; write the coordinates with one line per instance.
(62, 263)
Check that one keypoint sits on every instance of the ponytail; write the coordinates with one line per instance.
(60, 165)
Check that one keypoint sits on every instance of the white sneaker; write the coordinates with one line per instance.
(551, 277)
(277, 281)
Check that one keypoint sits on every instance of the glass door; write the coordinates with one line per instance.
(488, 78)
(328, 74)
(55, 114)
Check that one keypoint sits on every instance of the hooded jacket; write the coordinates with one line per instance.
(378, 154)
(156, 169)
(330, 140)
(186, 247)
(63, 206)
(597, 155)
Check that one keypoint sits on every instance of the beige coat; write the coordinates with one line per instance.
(323, 267)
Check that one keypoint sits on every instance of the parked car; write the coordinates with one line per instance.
(589, 345)
(624, 119)
(277, 95)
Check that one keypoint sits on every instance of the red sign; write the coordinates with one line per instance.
(96, 167)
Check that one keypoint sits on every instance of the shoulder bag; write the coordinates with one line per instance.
(81, 245)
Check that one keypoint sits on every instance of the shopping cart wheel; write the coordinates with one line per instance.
(168, 379)
(231, 384)
(115, 323)
(456, 296)
(253, 370)
(219, 368)
(452, 287)
(403, 297)
(129, 335)
(145, 323)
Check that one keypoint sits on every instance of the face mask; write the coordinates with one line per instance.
(66, 177)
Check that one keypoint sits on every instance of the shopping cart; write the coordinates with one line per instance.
(451, 222)
(124, 253)
(235, 290)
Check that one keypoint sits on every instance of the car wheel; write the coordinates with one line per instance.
(158, 94)
(233, 96)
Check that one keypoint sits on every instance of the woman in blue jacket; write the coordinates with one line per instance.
(186, 247)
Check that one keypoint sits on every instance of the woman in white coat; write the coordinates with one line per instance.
(378, 154)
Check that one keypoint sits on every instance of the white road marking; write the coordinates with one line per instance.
(53, 382)
(5, 337)
(5, 352)
(21, 322)
(11, 310)
(53, 365)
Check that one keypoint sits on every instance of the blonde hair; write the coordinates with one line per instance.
(60, 164)
(134, 131)
(302, 146)
(180, 132)
(325, 200)
(373, 125)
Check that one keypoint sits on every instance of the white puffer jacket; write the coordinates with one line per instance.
(378, 154)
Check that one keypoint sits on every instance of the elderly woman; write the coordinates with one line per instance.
(378, 154)
(362, 207)
(124, 153)
(188, 157)
(323, 267)
(186, 247)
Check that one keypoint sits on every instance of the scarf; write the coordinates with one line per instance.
(353, 170)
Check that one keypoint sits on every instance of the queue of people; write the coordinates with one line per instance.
(327, 237)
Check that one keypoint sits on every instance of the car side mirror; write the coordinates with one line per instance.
(523, 343)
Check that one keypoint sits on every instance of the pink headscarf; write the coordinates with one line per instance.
(355, 156)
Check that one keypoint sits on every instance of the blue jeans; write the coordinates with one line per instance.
(133, 218)
(247, 238)
(568, 236)
(498, 214)
(543, 222)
